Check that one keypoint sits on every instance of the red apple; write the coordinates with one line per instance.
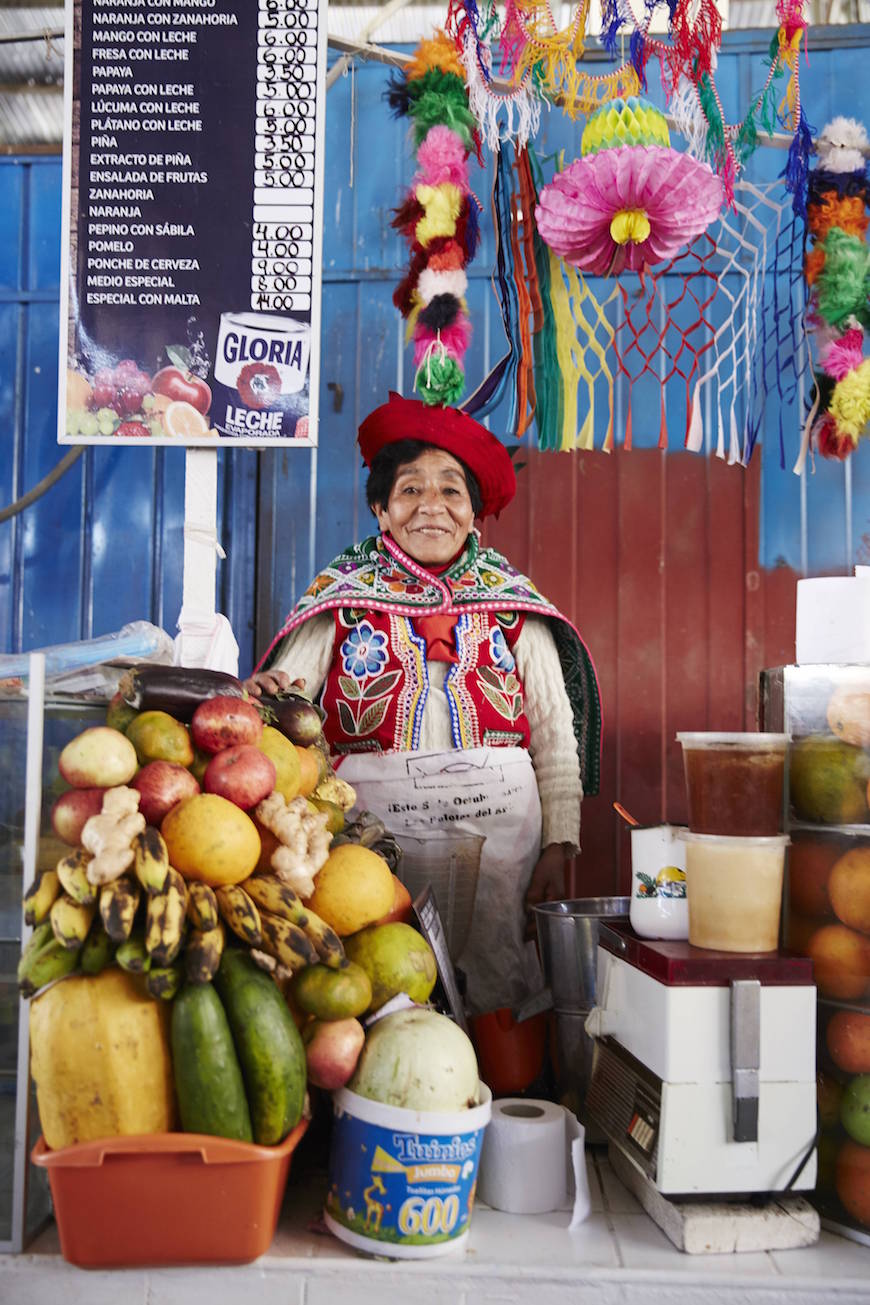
(163, 784)
(72, 809)
(243, 775)
(224, 722)
(332, 1049)
(176, 384)
(99, 757)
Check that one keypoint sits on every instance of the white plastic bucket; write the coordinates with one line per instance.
(402, 1182)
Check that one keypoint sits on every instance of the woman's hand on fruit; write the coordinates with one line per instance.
(548, 880)
(271, 683)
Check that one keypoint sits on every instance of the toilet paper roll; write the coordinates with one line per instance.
(524, 1162)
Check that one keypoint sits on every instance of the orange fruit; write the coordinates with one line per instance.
(181, 418)
(312, 767)
(848, 1039)
(211, 839)
(353, 888)
(157, 736)
(853, 1180)
(809, 868)
(848, 715)
(798, 932)
(268, 844)
(849, 888)
(841, 961)
(285, 759)
(400, 911)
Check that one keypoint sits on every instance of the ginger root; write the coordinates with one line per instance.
(303, 836)
(110, 834)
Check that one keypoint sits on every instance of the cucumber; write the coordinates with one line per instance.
(208, 1079)
(268, 1044)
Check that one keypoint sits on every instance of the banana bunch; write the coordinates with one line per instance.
(268, 917)
(369, 831)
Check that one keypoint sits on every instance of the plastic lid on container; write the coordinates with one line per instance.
(751, 742)
(745, 840)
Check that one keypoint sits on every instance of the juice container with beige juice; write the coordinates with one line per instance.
(734, 889)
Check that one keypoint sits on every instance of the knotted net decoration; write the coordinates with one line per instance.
(715, 332)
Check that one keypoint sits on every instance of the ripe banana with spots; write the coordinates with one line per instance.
(70, 921)
(270, 894)
(202, 954)
(202, 907)
(40, 897)
(164, 920)
(150, 859)
(240, 913)
(163, 981)
(286, 942)
(72, 873)
(119, 901)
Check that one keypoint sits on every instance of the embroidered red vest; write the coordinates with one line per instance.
(378, 684)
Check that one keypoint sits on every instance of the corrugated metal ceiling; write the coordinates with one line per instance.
(31, 71)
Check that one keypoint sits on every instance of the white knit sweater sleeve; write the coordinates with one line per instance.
(552, 744)
(307, 652)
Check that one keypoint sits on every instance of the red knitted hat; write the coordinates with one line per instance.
(448, 429)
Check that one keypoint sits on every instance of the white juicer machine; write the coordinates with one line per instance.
(704, 1069)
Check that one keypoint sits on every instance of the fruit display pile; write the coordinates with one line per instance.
(214, 919)
(828, 919)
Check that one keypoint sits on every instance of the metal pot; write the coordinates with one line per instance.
(568, 938)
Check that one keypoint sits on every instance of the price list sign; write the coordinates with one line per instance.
(193, 200)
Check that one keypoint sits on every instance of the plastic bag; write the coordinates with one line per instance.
(140, 641)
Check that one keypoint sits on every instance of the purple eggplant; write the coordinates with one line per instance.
(177, 690)
(294, 716)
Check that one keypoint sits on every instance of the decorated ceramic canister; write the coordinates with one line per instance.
(659, 908)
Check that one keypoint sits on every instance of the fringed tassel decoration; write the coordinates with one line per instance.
(438, 218)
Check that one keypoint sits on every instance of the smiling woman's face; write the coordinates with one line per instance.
(429, 512)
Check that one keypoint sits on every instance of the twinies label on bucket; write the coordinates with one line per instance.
(405, 1189)
(261, 375)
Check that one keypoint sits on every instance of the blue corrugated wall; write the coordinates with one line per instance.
(104, 546)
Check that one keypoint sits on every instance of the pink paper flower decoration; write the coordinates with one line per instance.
(627, 206)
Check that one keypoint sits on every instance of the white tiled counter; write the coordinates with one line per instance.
(617, 1256)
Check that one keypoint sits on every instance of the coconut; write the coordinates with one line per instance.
(418, 1060)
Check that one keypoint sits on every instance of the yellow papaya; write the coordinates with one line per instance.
(100, 1059)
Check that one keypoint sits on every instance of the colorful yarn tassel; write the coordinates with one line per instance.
(438, 217)
(837, 270)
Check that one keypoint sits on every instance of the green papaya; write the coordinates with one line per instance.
(268, 1045)
(208, 1078)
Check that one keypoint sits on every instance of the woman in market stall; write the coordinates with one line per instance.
(419, 643)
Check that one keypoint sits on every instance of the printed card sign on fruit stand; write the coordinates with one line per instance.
(193, 180)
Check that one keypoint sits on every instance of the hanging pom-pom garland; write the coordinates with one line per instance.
(438, 217)
(837, 271)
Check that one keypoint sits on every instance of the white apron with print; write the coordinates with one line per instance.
(488, 791)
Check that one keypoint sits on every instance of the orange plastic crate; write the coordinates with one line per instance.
(166, 1198)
